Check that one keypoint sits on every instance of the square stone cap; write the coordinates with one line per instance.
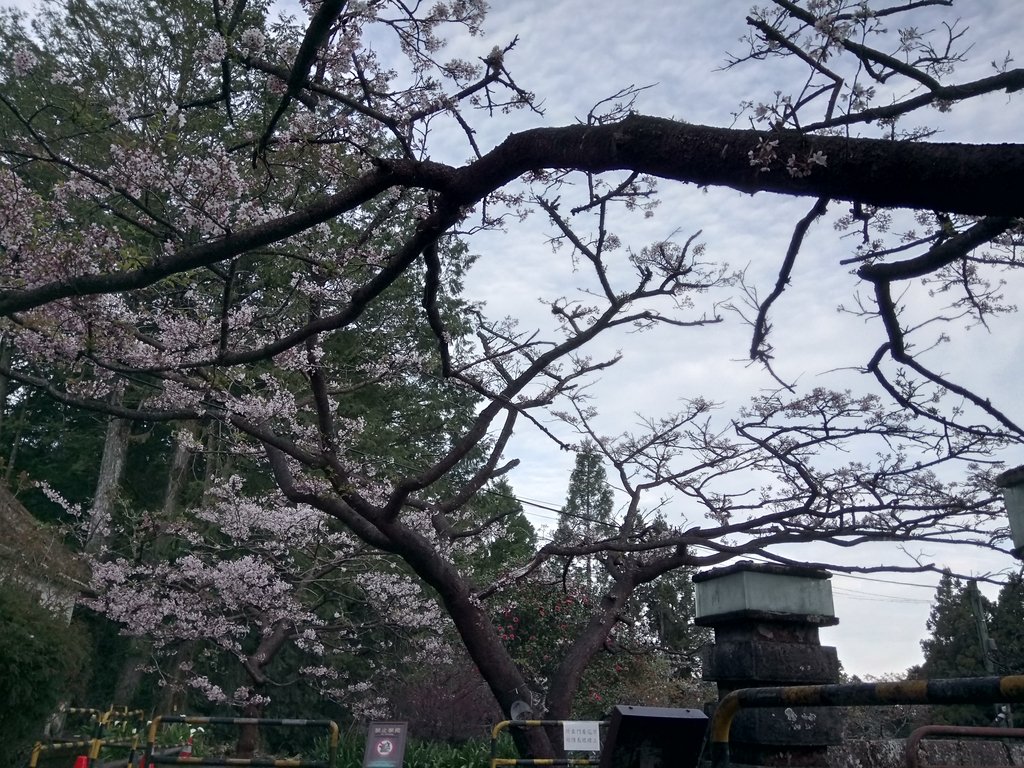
(748, 592)
(1011, 477)
(749, 566)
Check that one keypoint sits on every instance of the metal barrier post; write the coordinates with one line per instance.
(39, 748)
(559, 761)
(95, 744)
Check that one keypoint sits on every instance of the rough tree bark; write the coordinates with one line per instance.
(140, 648)
(985, 179)
(115, 448)
(256, 664)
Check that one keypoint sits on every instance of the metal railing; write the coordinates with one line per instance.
(154, 759)
(967, 690)
(957, 731)
(95, 744)
(506, 724)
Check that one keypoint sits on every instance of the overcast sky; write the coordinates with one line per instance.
(573, 53)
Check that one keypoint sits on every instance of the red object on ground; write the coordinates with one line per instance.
(186, 751)
(81, 762)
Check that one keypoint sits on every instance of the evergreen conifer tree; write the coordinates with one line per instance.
(952, 649)
(586, 516)
(1005, 627)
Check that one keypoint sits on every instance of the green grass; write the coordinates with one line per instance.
(424, 754)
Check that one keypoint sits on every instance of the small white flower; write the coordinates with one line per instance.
(216, 49)
(762, 156)
(252, 42)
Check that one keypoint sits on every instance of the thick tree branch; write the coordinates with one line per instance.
(956, 178)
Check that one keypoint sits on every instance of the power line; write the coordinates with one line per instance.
(884, 581)
(839, 590)
(853, 594)
(549, 507)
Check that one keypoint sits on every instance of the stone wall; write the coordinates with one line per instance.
(891, 753)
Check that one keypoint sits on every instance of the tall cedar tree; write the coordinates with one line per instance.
(952, 649)
(585, 518)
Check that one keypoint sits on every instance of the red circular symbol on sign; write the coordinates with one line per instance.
(385, 747)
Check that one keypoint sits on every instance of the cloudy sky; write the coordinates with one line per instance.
(572, 54)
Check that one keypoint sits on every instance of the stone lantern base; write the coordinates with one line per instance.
(766, 619)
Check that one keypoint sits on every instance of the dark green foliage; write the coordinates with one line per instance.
(512, 541)
(469, 754)
(39, 658)
(474, 753)
(107, 643)
(586, 517)
(43, 440)
(1007, 628)
(668, 609)
(953, 648)
(539, 622)
(39, 435)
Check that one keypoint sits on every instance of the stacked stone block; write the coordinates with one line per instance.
(766, 619)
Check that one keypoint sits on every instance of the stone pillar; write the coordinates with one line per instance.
(1012, 483)
(766, 619)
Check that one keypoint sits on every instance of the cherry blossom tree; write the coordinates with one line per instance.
(210, 224)
(276, 591)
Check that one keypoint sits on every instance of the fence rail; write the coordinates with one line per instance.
(967, 690)
(559, 761)
(154, 759)
(958, 731)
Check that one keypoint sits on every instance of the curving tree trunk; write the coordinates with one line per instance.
(256, 664)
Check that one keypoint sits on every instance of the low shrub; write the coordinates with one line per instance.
(39, 658)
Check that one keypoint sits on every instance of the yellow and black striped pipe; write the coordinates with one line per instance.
(62, 746)
(265, 762)
(505, 724)
(122, 715)
(92, 747)
(965, 690)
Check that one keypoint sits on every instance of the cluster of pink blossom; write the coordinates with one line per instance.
(269, 519)
(24, 60)
(212, 692)
(205, 596)
(154, 601)
(76, 511)
(31, 255)
(403, 598)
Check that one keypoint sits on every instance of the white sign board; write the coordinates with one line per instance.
(581, 736)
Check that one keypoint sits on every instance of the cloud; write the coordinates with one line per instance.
(574, 53)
